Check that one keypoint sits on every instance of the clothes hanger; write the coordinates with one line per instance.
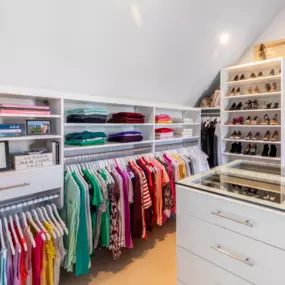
(38, 230)
(44, 220)
(41, 226)
(9, 237)
(2, 236)
(51, 215)
(15, 237)
(21, 232)
(24, 219)
(52, 222)
(59, 219)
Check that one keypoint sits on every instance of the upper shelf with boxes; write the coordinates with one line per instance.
(252, 111)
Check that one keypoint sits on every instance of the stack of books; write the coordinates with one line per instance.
(12, 130)
(24, 109)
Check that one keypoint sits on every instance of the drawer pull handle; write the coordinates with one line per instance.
(243, 260)
(14, 186)
(220, 214)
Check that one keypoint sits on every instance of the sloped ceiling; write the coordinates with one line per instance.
(161, 50)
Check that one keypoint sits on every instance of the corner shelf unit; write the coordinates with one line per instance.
(228, 85)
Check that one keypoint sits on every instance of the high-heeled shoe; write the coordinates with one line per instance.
(272, 72)
(234, 121)
(252, 76)
(237, 136)
(276, 105)
(274, 87)
(253, 149)
(254, 104)
(274, 120)
(250, 91)
(248, 105)
(267, 87)
(256, 90)
(239, 121)
(247, 149)
(233, 92)
(256, 137)
(233, 135)
(249, 136)
(237, 92)
(260, 74)
(236, 78)
(254, 121)
(233, 148)
(233, 107)
(266, 120)
(247, 121)
(265, 150)
(239, 106)
(242, 77)
(275, 136)
(273, 151)
(267, 105)
(238, 148)
(266, 136)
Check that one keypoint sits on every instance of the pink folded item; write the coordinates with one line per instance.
(24, 112)
(14, 106)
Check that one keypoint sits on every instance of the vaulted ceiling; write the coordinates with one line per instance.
(161, 50)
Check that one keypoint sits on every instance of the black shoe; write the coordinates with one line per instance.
(233, 149)
(253, 150)
(239, 106)
(238, 148)
(236, 78)
(265, 150)
(233, 107)
(247, 150)
(273, 151)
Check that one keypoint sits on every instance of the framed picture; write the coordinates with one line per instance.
(4, 156)
(34, 127)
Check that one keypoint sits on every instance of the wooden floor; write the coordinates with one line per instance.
(150, 262)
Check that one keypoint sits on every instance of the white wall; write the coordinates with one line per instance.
(161, 50)
(274, 31)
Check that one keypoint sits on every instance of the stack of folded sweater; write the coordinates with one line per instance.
(177, 120)
(85, 138)
(127, 118)
(163, 119)
(163, 134)
(87, 115)
(182, 133)
(125, 137)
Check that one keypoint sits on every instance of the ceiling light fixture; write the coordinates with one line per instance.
(224, 39)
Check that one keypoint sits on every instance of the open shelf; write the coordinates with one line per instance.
(252, 110)
(251, 141)
(105, 125)
(29, 116)
(177, 124)
(25, 138)
(252, 156)
(252, 126)
(194, 138)
(256, 80)
(257, 95)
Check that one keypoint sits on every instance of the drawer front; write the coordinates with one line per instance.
(259, 223)
(192, 269)
(14, 184)
(247, 258)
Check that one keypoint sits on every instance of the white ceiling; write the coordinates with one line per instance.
(161, 50)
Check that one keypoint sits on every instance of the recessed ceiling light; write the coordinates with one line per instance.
(224, 38)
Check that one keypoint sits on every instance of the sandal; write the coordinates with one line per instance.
(254, 121)
(274, 120)
(266, 120)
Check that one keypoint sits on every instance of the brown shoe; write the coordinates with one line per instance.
(266, 120)
(274, 120)
(267, 136)
(275, 136)
(256, 137)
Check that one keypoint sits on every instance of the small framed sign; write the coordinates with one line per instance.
(34, 127)
(4, 156)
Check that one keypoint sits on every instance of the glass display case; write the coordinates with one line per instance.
(252, 182)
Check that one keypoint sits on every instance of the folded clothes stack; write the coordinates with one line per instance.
(125, 137)
(24, 109)
(183, 133)
(163, 119)
(127, 118)
(177, 120)
(188, 120)
(163, 134)
(87, 115)
(85, 138)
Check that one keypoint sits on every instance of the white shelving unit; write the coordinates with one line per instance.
(227, 116)
(15, 185)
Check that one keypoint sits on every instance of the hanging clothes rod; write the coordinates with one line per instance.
(27, 203)
(85, 157)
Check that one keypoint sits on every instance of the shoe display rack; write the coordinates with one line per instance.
(252, 114)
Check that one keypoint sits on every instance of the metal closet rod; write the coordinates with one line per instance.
(27, 203)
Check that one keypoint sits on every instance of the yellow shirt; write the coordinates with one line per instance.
(182, 169)
(50, 250)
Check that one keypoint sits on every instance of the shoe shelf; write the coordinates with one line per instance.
(253, 110)
(255, 95)
(261, 85)
(256, 80)
(247, 156)
(251, 141)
